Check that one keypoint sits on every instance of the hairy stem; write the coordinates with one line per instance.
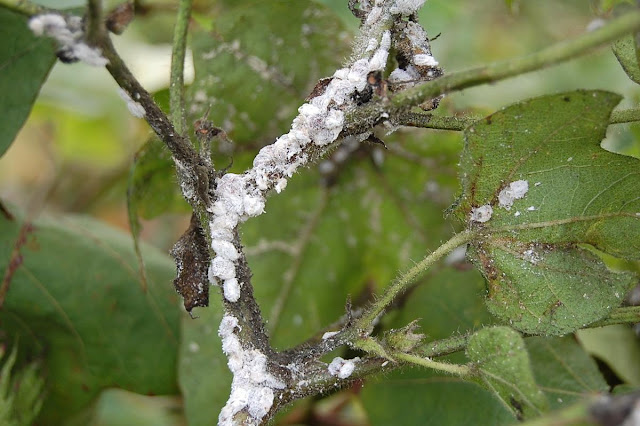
(367, 116)
(430, 121)
(560, 52)
(625, 116)
(176, 85)
(624, 315)
(444, 346)
(366, 321)
(455, 369)
(23, 7)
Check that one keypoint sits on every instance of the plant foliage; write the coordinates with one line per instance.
(545, 248)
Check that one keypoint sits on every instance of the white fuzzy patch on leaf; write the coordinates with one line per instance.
(514, 191)
(481, 214)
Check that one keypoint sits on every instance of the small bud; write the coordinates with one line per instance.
(405, 339)
(205, 130)
(120, 17)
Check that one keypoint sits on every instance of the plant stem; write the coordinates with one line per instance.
(23, 7)
(624, 315)
(95, 22)
(365, 322)
(369, 115)
(179, 146)
(625, 116)
(444, 346)
(458, 370)
(439, 122)
(560, 52)
(430, 121)
(176, 85)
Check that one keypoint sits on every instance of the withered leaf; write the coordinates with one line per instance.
(191, 255)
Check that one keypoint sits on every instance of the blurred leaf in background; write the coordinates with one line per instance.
(71, 297)
(25, 61)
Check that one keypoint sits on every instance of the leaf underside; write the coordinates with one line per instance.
(626, 50)
(416, 397)
(563, 370)
(502, 362)
(542, 279)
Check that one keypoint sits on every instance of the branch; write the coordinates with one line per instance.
(24, 7)
(176, 85)
(95, 22)
(139, 100)
(623, 315)
(364, 118)
(430, 121)
(180, 147)
(625, 116)
(455, 369)
(238, 197)
(444, 346)
(364, 324)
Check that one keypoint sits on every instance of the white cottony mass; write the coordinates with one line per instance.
(69, 34)
(342, 368)
(481, 214)
(514, 191)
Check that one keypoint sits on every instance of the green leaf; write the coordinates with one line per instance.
(626, 50)
(416, 397)
(541, 280)
(151, 191)
(563, 370)
(258, 63)
(605, 6)
(121, 408)
(204, 378)
(73, 297)
(152, 188)
(448, 302)
(616, 345)
(502, 361)
(25, 61)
